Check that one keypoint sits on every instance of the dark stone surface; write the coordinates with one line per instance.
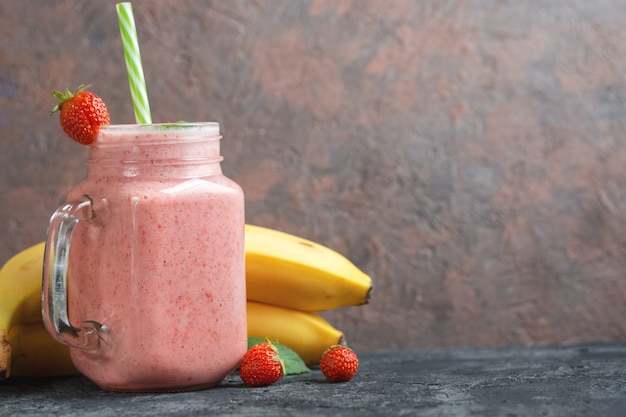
(553, 381)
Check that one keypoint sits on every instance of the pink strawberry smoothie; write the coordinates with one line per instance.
(161, 262)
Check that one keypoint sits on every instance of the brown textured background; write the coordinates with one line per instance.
(469, 155)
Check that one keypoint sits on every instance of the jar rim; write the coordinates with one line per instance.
(155, 134)
(205, 127)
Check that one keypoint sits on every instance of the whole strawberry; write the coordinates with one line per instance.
(82, 114)
(339, 363)
(261, 365)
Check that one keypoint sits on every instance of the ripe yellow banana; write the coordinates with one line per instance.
(20, 287)
(26, 348)
(308, 334)
(36, 354)
(288, 271)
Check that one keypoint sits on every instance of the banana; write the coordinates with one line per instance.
(37, 354)
(288, 271)
(20, 287)
(308, 334)
(20, 298)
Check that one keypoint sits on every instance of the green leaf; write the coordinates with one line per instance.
(293, 362)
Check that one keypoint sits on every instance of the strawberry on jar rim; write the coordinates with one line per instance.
(82, 114)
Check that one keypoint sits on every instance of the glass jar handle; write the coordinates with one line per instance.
(91, 336)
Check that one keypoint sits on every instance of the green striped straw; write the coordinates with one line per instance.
(134, 68)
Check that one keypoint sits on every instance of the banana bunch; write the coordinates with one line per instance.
(288, 279)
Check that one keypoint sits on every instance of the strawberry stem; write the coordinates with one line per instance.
(65, 97)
